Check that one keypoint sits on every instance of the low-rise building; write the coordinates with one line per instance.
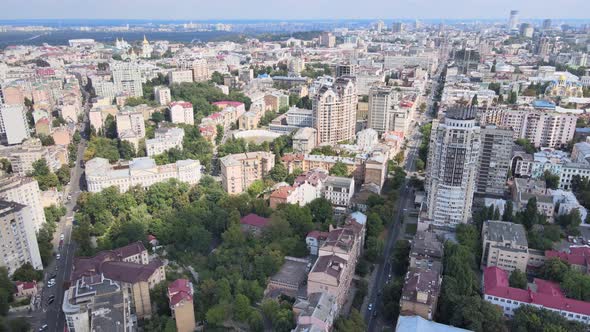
(421, 290)
(181, 112)
(525, 189)
(180, 298)
(289, 279)
(306, 187)
(426, 249)
(25, 289)
(504, 245)
(22, 157)
(545, 294)
(253, 223)
(164, 140)
(419, 324)
(100, 174)
(338, 190)
(316, 313)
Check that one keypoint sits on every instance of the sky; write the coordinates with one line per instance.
(290, 9)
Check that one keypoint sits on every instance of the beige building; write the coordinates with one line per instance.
(22, 157)
(162, 95)
(180, 297)
(19, 242)
(144, 172)
(504, 245)
(376, 170)
(334, 111)
(200, 70)
(24, 190)
(131, 127)
(421, 291)
(164, 140)
(238, 171)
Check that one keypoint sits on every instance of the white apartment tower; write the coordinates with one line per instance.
(162, 95)
(452, 167)
(17, 235)
(381, 105)
(127, 78)
(13, 124)
(513, 20)
(334, 111)
(24, 190)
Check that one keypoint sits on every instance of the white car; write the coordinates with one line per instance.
(58, 256)
(62, 236)
(370, 306)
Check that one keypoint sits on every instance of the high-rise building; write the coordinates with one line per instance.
(127, 78)
(397, 27)
(200, 70)
(513, 21)
(327, 39)
(334, 111)
(494, 160)
(452, 167)
(19, 242)
(13, 124)
(381, 104)
(527, 30)
(346, 69)
(547, 24)
(24, 190)
(162, 95)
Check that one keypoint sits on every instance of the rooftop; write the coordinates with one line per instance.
(293, 272)
(254, 220)
(501, 231)
(419, 324)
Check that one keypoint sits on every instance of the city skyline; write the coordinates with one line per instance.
(290, 10)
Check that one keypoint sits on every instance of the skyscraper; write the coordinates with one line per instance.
(452, 167)
(513, 21)
(334, 111)
(494, 160)
(380, 104)
(547, 24)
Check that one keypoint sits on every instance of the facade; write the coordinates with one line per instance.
(13, 124)
(334, 111)
(452, 167)
(546, 295)
(504, 245)
(338, 190)
(23, 157)
(25, 191)
(376, 170)
(180, 76)
(131, 127)
(100, 174)
(19, 241)
(525, 189)
(162, 95)
(164, 140)
(97, 304)
(381, 105)
(127, 78)
(304, 140)
(130, 267)
(306, 187)
(200, 70)
(494, 160)
(180, 297)
(239, 171)
(421, 290)
(316, 313)
(182, 112)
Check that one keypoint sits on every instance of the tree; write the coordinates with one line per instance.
(321, 210)
(217, 78)
(279, 172)
(27, 273)
(256, 188)
(43, 175)
(474, 101)
(241, 308)
(126, 150)
(339, 169)
(554, 269)
(512, 98)
(217, 314)
(508, 211)
(6, 165)
(518, 279)
(530, 318)
(551, 180)
(527, 145)
(420, 165)
(158, 117)
(353, 323)
(46, 140)
(576, 285)
(219, 135)
(19, 324)
(63, 174)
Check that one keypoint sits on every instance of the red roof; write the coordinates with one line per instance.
(184, 104)
(178, 290)
(282, 192)
(576, 256)
(548, 294)
(254, 220)
(318, 235)
(26, 284)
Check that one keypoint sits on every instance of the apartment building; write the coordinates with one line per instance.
(180, 76)
(304, 140)
(23, 156)
(504, 245)
(164, 140)
(421, 291)
(25, 191)
(376, 170)
(334, 111)
(127, 78)
(333, 271)
(494, 160)
(525, 189)
(162, 95)
(542, 127)
(14, 127)
(97, 304)
(144, 172)
(200, 70)
(544, 294)
(316, 313)
(338, 190)
(182, 112)
(130, 267)
(238, 171)
(131, 127)
(455, 145)
(19, 241)
(306, 187)
(426, 248)
(180, 298)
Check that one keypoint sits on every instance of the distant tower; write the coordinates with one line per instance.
(513, 22)
(146, 48)
(547, 24)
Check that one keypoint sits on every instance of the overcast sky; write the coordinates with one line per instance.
(290, 9)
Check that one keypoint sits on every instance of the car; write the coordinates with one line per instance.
(49, 285)
(53, 276)
(58, 256)
(62, 236)
(370, 306)
(43, 328)
(52, 280)
(50, 300)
